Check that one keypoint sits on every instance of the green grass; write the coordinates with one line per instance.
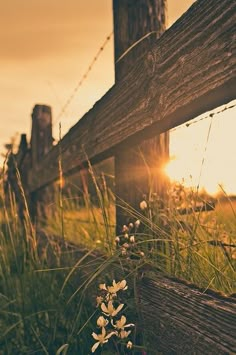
(198, 247)
(47, 290)
(48, 287)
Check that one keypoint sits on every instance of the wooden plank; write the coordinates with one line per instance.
(189, 70)
(180, 319)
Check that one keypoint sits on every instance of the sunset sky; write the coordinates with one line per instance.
(46, 47)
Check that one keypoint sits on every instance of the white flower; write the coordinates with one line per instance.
(102, 322)
(125, 245)
(121, 285)
(102, 338)
(125, 228)
(137, 223)
(102, 287)
(129, 345)
(126, 235)
(132, 239)
(131, 225)
(121, 323)
(117, 240)
(123, 251)
(109, 310)
(143, 205)
(124, 334)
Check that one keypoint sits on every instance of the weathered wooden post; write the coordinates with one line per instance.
(138, 169)
(41, 133)
(41, 143)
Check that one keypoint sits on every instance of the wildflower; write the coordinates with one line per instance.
(137, 223)
(117, 240)
(123, 251)
(132, 239)
(142, 253)
(121, 285)
(143, 205)
(124, 334)
(131, 225)
(102, 322)
(101, 338)
(102, 287)
(99, 300)
(121, 323)
(129, 345)
(125, 228)
(109, 310)
(125, 245)
(126, 235)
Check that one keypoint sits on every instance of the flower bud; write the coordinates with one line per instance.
(117, 240)
(129, 345)
(143, 205)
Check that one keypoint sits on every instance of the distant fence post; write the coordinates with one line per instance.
(41, 142)
(138, 169)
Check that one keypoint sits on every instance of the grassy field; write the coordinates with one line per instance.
(199, 247)
(49, 289)
(46, 289)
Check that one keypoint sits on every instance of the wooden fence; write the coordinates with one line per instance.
(160, 83)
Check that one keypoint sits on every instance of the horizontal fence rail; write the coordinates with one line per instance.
(182, 319)
(189, 70)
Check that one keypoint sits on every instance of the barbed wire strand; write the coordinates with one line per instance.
(210, 115)
(83, 78)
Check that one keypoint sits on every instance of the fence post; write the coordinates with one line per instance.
(41, 142)
(138, 169)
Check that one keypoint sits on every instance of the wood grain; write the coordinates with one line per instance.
(189, 70)
(181, 319)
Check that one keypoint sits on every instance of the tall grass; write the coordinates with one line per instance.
(198, 245)
(46, 284)
(191, 243)
(44, 287)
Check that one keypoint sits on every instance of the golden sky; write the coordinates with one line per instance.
(46, 46)
(203, 153)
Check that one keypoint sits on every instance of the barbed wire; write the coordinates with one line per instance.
(83, 78)
(210, 115)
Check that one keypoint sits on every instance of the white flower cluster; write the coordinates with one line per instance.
(126, 242)
(110, 323)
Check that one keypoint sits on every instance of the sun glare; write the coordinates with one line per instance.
(204, 153)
